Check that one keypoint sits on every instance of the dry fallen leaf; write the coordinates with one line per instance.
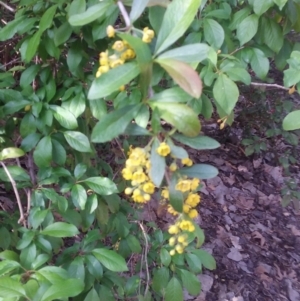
(257, 235)
(262, 270)
(235, 255)
(294, 230)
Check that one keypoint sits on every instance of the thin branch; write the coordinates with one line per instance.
(124, 13)
(275, 86)
(7, 7)
(13, 183)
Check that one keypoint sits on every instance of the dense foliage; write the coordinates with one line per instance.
(87, 78)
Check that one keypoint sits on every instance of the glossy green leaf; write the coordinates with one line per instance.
(47, 18)
(200, 236)
(174, 290)
(160, 279)
(176, 196)
(194, 263)
(28, 75)
(79, 195)
(158, 164)
(7, 266)
(17, 173)
(98, 108)
(238, 75)
(174, 94)
(111, 81)
(247, 29)
(207, 259)
(165, 257)
(261, 7)
(62, 34)
(76, 7)
(200, 171)
(114, 124)
(42, 154)
(102, 186)
(60, 229)
(292, 121)
(200, 142)
(182, 117)
(214, 33)
(280, 3)
(177, 18)
(137, 8)
(64, 117)
(188, 53)
(134, 244)
(272, 34)
(190, 282)
(92, 296)
(10, 288)
(32, 46)
(93, 13)
(78, 141)
(226, 93)
(76, 105)
(259, 63)
(111, 260)
(184, 75)
(14, 106)
(30, 141)
(10, 28)
(11, 153)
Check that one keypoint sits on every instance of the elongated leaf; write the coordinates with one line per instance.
(78, 141)
(259, 63)
(207, 259)
(261, 7)
(177, 18)
(226, 93)
(18, 174)
(158, 164)
(190, 282)
(91, 14)
(160, 279)
(174, 290)
(11, 153)
(184, 75)
(60, 229)
(79, 195)
(47, 18)
(42, 154)
(102, 186)
(247, 29)
(7, 266)
(272, 34)
(200, 142)
(292, 121)
(114, 123)
(64, 117)
(174, 94)
(137, 8)
(32, 46)
(10, 29)
(182, 117)
(111, 260)
(176, 197)
(165, 257)
(28, 75)
(188, 54)
(10, 288)
(113, 80)
(200, 171)
(214, 33)
(14, 106)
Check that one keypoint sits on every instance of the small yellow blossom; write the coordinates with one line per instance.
(103, 61)
(148, 35)
(179, 249)
(98, 74)
(127, 174)
(172, 241)
(181, 238)
(116, 63)
(195, 183)
(118, 46)
(103, 69)
(128, 190)
(192, 200)
(193, 213)
(165, 194)
(183, 185)
(187, 162)
(110, 31)
(186, 225)
(149, 187)
(163, 149)
(186, 208)
(139, 177)
(172, 211)
(173, 229)
(172, 252)
(128, 54)
(122, 88)
(147, 197)
(173, 167)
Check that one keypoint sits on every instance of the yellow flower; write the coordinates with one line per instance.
(118, 46)
(172, 252)
(149, 187)
(103, 61)
(128, 190)
(193, 213)
(173, 229)
(172, 211)
(110, 31)
(122, 88)
(127, 174)
(186, 226)
(116, 63)
(139, 177)
(172, 241)
(195, 183)
(98, 74)
(128, 54)
(104, 54)
(192, 200)
(179, 249)
(147, 197)
(183, 185)
(163, 149)
(187, 162)
(173, 167)
(148, 35)
(186, 208)
(103, 69)
(181, 238)
(165, 194)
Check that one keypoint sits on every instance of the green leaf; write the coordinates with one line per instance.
(176, 197)
(76, 105)
(174, 290)
(111, 81)
(177, 18)
(79, 196)
(76, 7)
(9, 255)
(182, 117)
(62, 34)
(32, 46)
(190, 282)
(160, 279)
(200, 171)
(94, 266)
(42, 154)
(200, 142)
(292, 121)
(98, 108)
(60, 229)
(91, 14)
(280, 3)
(7, 266)
(165, 257)
(114, 123)
(102, 186)
(135, 130)
(259, 63)
(111, 260)
(247, 29)
(30, 141)
(63, 289)
(226, 93)
(14, 106)
(10, 28)
(174, 94)
(158, 164)
(29, 75)
(137, 8)
(200, 236)
(238, 75)
(194, 263)
(188, 54)
(134, 244)
(59, 154)
(261, 7)
(64, 117)
(92, 296)
(78, 141)
(11, 153)
(10, 288)
(207, 260)
(17, 173)
(101, 212)
(214, 33)
(272, 34)
(184, 75)
(47, 18)
(80, 170)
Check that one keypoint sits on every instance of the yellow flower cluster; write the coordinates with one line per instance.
(163, 149)
(137, 170)
(148, 35)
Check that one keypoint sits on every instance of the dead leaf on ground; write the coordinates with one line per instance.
(294, 230)
(257, 235)
(235, 255)
(245, 204)
(262, 270)
(274, 172)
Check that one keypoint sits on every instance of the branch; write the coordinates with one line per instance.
(275, 86)
(13, 183)
(7, 7)
(124, 13)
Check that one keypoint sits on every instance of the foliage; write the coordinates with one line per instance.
(62, 106)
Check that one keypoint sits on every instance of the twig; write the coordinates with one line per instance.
(31, 169)
(270, 86)
(7, 6)
(13, 183)
(124, 13)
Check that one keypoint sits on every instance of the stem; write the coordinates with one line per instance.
(124, 13)
(269, 86)
(13, 183)
(7, 7)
